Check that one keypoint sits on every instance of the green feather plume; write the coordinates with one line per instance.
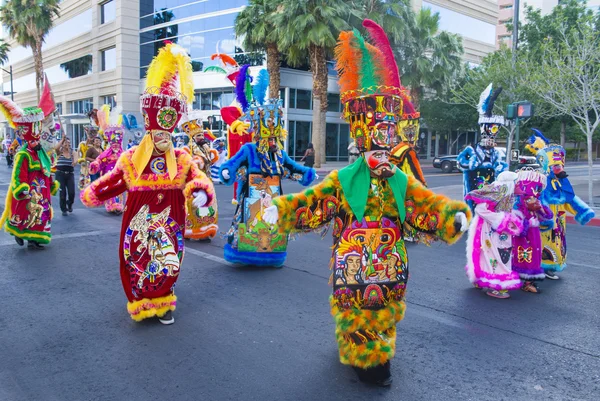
(367, 67)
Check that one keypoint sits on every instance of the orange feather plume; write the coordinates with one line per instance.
(225, 59)
(348, 58)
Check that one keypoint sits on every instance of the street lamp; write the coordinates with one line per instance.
(9, 72)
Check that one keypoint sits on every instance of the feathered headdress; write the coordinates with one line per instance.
(547, 154)
(169, 88)
(485, 107)
(27, 121)
(110, 123)
(370, 86)
(230, 67)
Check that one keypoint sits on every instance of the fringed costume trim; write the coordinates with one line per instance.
(147, 308)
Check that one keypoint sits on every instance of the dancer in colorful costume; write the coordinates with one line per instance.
(28, 212)
(481, 165)
(159, 179)
(404, 155)
(366, 204)
(560, 197)
(489, 246)
(91, 133)
(201, 223)
(527, 246)
(220, 146)
(110, 122)
(261, 165)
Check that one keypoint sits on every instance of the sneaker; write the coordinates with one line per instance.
(19, 241)
(34, 245)
(70, 209)
(167, 318)
(65, 213)
(550, 275)
(498, 294)
(530, 286)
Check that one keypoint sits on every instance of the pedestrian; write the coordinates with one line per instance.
(92, 154)
(7, 151)
(353, 152)
(527, 246)
(27, 213)
(65, 174)
(309, 156)
(560, 197)
(489, 245)
(366, 204)
(158, 179)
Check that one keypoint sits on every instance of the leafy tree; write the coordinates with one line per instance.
(256, 24)
(567, 77)
(427, 57)
(28, 22)
(395, 16)
(312, 27)
(250, 58)
(4, 48)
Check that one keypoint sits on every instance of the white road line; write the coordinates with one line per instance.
(71, 235)
(208, 256)
(582, 265)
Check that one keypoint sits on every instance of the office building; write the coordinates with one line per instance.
(98, 52)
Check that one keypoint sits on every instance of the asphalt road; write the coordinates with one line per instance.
(266, 334)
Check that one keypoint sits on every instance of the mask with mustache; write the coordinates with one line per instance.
(379, 163)
(162, 141)
(37, 147)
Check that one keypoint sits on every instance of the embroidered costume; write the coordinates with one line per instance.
(201, 224)
(481, 165)
(91, 133)
(527, 246)
(560, 197)
(110, 124)
(489, 245)
(404, 155)
(28, 213)
(365, 205)
(260, 166)
(159, 180)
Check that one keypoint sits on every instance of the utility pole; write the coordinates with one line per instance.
(9, 72)
(515, 31)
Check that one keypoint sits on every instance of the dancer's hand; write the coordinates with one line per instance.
(225, 174)
(200, 199)
(460, 222)
(271, 215)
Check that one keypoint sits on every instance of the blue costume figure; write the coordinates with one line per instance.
(482, 164)
(258, 168)
(561, 199)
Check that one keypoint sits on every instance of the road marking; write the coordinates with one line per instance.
(443, 175)
(582, 265)
(71, 235)
(446, 187)
(208, 256)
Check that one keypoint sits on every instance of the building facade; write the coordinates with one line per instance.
(99, 50)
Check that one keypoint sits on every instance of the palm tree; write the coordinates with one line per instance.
(395, 16)
(255, 24)
(429, 58)
(28, 22)
(4, 48)
(312, 27)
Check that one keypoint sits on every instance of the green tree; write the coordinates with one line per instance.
(395, 16)
(253, 59)
(4, 48)
(567, 78)
(28, 22)
(256, 24)
(312, 27)
(427, 58)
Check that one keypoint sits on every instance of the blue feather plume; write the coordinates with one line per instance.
(259, 90)
(240, 86)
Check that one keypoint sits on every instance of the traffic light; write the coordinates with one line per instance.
(523, 109)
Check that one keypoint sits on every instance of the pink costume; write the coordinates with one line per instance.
(489, 244)
(107, 160)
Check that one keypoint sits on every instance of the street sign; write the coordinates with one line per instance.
(514, 155)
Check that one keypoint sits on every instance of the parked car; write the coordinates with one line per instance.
(524, 160)
(446, 163)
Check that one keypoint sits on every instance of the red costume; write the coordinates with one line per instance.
(158, 179)
(28, 212)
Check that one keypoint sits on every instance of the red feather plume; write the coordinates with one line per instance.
(381, 41)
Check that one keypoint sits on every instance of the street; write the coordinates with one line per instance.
(246, 333)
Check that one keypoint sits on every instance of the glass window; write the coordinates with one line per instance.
(303, 99)
(59, 108)
(78, 67)
(344, 141)
(205, 101)
(282, 95)
(111, 100)
(464, 25)
(292, 98)
(81, 106)
(302, 138)
(109, 59)
(331, 141)
(178, 10)
(333, 102)
(108, 11)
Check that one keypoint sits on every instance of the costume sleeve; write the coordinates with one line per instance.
(296, 211)
(582, 212)
(106, 187)
(308, 174)
(196, 180)
(232, 165)
(545, 216)
(464, 158)
(54, 187)
(20, 182)
(432, 213)
(80, 153)
(504, 223)
(500, 166)
(95, 166)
